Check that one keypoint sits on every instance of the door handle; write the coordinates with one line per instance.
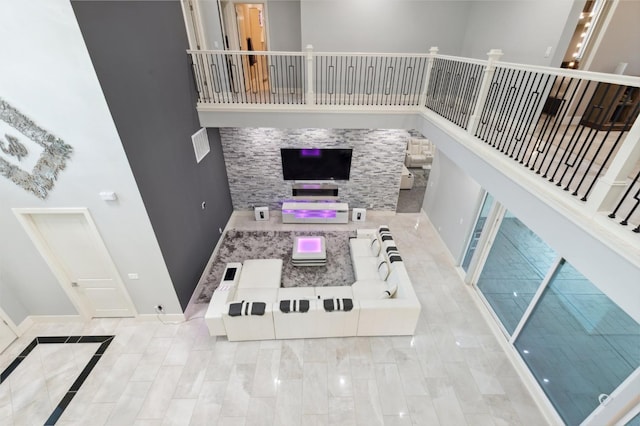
(74, 284)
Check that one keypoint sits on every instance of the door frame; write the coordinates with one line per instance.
(24, 216)
(229, 17)
(4, 317)
(193, 24)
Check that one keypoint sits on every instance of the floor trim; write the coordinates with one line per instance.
(66, 399)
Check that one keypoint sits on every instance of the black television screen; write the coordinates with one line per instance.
(315, 164)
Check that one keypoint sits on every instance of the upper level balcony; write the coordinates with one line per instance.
(576, 130)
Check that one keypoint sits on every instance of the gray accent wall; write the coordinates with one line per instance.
(254, 164)
(138, 51)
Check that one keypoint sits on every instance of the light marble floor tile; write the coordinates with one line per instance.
(152, 358)
(193, 375)
(476, 419)
(129, 404)
(390, 389)
(291, 360)
(238, 394)
(342, 411)
(503, 412)
(421, 411)
(413, 381)
(465, 388)
(117, 380)
(452, 372)
(179, 412)
(368, 410)
(314, 388)
(289, 403)
(232, 421)
(315, 350)
(445, 402)
(161, 393)
(209, 403)
(399, 420)
(262, 412)
(265, 382)
(315, 420)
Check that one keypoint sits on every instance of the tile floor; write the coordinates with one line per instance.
(452, 372)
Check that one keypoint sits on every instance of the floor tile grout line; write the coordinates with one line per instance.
(104, 342)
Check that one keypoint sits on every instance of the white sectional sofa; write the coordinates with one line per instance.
(251, 305)
(383, 289)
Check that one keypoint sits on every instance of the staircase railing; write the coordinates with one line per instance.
(579, 130)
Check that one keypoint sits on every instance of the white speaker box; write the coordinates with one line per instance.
(262, 213)
(359, 215)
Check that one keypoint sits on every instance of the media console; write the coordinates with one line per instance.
(315, 212)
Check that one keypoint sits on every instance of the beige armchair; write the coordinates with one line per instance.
(419, 153)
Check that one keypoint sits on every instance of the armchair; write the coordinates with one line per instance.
(419, 153)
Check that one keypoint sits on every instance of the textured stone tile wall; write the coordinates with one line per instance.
(254, 165)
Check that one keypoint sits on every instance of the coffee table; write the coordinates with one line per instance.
(309, 251)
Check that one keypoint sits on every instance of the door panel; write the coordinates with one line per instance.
(103, 296)
(87, 270)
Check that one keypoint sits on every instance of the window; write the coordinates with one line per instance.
(578, 344)
(516, 266)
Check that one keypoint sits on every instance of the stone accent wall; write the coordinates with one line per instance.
(254, 165)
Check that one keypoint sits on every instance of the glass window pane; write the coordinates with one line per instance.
(517, 263)
(477, 231)
(578, 344)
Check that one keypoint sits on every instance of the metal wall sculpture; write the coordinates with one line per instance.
(41, 178)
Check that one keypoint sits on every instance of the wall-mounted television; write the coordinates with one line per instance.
(316, 163)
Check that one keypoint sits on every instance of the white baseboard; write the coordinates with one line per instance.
(55, 318)
(166, 318)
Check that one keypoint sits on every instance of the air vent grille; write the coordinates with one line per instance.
(200, 144)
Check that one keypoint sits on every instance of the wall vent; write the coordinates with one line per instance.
(200, 144)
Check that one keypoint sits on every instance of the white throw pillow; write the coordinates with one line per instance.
(375, 247)
(383, 270)
(392, 287)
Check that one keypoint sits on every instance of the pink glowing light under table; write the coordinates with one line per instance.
(309, 245)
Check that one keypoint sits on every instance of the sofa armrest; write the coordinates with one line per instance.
(388, 317)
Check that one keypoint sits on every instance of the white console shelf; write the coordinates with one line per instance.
(321, 212)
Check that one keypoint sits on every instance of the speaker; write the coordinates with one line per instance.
(359, 215)
(261, 213)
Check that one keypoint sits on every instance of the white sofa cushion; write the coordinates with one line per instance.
(337, 323)
(256, 294)
(261, 273)
(369, 290)
(288, 293)
(383, 270)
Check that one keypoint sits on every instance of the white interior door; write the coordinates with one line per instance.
(75, 252)
(6, 335)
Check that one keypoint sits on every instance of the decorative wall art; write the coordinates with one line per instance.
(15, 151)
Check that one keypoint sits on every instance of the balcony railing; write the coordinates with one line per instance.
(579, 130)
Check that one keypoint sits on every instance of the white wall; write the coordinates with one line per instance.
(452, 201)
(283, 24)
(620, 42)
(383, 25)
(47, 74)
(544, 209)
(210, 17)
(523, 29)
